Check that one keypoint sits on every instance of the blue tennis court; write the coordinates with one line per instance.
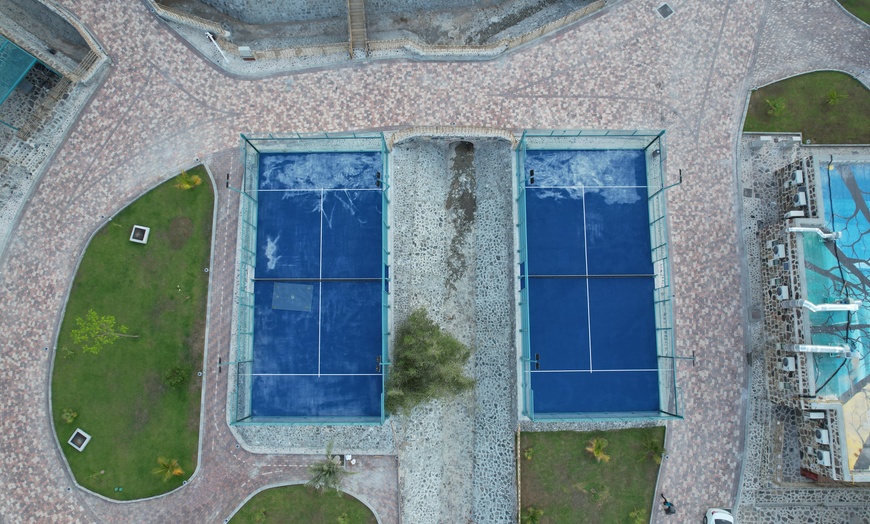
(318, 286)
(590, 279)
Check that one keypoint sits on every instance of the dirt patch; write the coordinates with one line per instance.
(153, 389)
(179, 231)
(461, 205)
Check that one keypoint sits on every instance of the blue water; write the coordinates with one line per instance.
(319, 234)
(591, 316)
(848, 187)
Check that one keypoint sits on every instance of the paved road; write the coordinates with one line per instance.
(162, 106)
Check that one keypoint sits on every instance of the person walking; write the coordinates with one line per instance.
(669, 508)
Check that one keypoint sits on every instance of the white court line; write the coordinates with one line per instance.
(591, 370)
(302, 190)
(585, 187)
(320, 286)
(588, 305)
(315, 374)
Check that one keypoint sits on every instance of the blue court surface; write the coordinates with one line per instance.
(590, 283)
(318, 286)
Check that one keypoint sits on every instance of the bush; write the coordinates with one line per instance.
(68, 415)
(176, 375)
(776, 106)
(427, 364)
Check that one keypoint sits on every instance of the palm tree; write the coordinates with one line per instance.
(776, 106)
(327, 474)
(531, 515)
(168, 468)
(188, 181)
(652, 448)
(596, 447)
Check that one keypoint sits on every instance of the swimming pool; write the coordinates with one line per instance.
(845, 187)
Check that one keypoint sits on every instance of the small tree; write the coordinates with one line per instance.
(168, 468)
(327, 474)
(776, 106)
(95, 331)
(427, 364)
(638, 516)
(596, 448)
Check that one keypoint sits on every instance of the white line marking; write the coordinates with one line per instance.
(312, 189)
(593, 370)
(320, 285)
(586, 260)
(315, 374)
(584, 187)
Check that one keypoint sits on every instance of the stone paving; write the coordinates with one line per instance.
(161, 106)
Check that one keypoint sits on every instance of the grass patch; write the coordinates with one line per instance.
(561, 478)
(827, 107)
(298, 504)
(129, 396)
(859, 8)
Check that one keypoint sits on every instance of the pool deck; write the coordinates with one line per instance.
(161, 107)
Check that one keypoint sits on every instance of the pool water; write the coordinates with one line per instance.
(845, 197)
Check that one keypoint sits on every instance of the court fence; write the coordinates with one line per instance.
(653, 144)
(241, 353)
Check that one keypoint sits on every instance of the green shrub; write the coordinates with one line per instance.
(176, 375)
(531, 515)
(776, 106)
(187, 181)
(427, 364)
(653, 448)
(638, 516)
(68, 415)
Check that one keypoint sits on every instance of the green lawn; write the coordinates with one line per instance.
(859, 8)
(159, 291)
(569, 485)
(298, 504)
(807, 108)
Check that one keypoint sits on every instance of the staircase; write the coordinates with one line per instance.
(356, 21)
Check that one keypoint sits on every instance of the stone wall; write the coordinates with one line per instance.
(271, 11)
(411, 6)
(47, 25)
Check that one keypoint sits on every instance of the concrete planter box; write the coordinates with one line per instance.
(79, 439)
(140, 234)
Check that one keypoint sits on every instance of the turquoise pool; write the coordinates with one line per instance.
(846, 203)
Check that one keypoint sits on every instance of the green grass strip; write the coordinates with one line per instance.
(297, 504)
(562, 479)
(859, 8)
(827, 107)
(122, 395)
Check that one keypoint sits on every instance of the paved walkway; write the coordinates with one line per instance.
(162, 106)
